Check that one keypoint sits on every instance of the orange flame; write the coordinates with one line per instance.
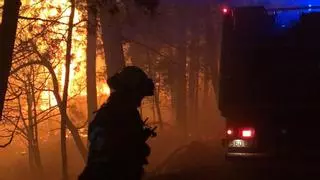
(77, 86)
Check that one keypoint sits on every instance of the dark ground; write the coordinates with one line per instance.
(202, 162)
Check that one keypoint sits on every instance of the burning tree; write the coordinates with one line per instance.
(25, 113)
(49, 56)
(48, 69)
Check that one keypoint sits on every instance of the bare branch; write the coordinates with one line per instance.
(55, 129)
(48, 111)
(8, 143)
(163, 41)
(46, 20)
(21, 115)
(48, 117)
(15, 94)
(83, 125)
(40, 19)
(43, 89)
(11, 138)
(5, 136)
(148, 47)
(50, 20)
(25, 65)
(20, 130)
(15, 97)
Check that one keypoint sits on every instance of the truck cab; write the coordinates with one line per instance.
(269, 81)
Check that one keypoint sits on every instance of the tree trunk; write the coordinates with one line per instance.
(206, 81)
(37, 159)
(154, 116)
(193, 85)
(64, 116)
(112, 40)
(196, 102)
(91, 59)
(191, 81)
(31, 156)
(171, 83)
(36, 149)
(30, 131)
(63, 143)
(157, 104)
(181, 89)
(178, 69)
(156, 98)
(34, 127)
(74, 131)
(213, 38)
(8, 29)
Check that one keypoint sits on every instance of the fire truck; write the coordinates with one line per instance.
(269, 81)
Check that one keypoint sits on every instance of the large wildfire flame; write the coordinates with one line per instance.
(49, 10)
(41, 35)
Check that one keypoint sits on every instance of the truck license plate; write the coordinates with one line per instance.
(238, 143)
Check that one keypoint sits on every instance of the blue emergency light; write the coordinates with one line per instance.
(286, 16)
(289, 16)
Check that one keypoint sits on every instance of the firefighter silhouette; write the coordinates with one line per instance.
(117, 135)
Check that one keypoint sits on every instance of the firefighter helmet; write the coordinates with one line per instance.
(132, 79)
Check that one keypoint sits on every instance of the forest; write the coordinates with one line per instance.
(57, 54)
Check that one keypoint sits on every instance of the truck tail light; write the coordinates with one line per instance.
(247, 133)
(225, 10)
(240, 132)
